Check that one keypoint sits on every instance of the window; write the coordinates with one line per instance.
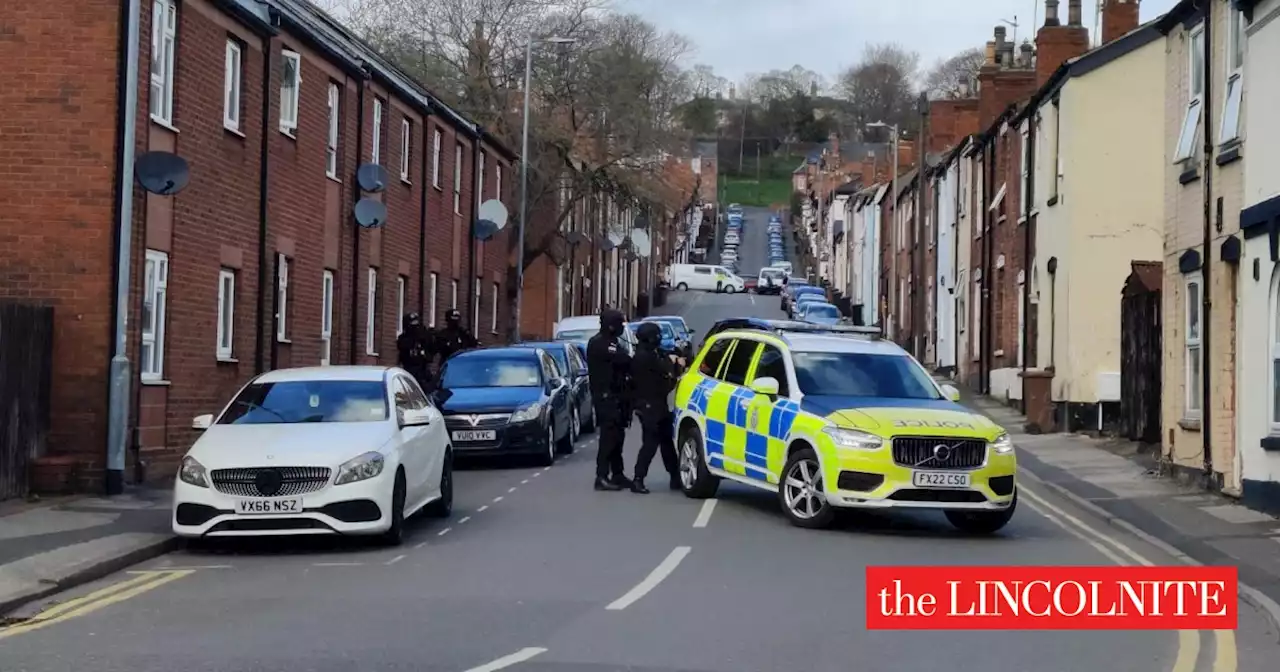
(493, 309)
(153, 314)
(484, 159)
(1235, 64)
(375, 151)
(290, 91)
(735, 372)
(773, 364)
(400, 300)
(435, 158)
(231, 87)
(457, 178)
(1191, 122)
(371, 314)
(497, 181)
(560, 290)
(475, 308)
(226, 312)
(326, 316)
(453, 296)
(431, 300)
(977, 320)
(1024, 191)
(1193, 356)
(331, 153)
(1275, 354)
(406, 148)
(711, 361)
(1057, 151)
(164, 35)
(282, 298)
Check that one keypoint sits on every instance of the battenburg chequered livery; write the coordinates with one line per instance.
(831, 421)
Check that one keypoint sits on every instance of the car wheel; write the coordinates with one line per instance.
(801, 493)
(394, 536)
(729, 289)
(443, 507)
(982, 522)
(589, 425)
(696, 480)
(684, 287)
(549, 457)
(565, 446)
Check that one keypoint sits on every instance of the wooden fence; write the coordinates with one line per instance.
(26, 363)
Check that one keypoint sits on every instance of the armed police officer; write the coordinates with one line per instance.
(654, 377)
(416, 349)
(609, 366)
(453, 338)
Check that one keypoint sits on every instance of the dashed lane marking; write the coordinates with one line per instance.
(464, 519)
(394, 560)
(141, 582)
(524, 482)
(482, 509)
(659, 573)
(497, 499)
(510, 490)
(443, 532)
(704, 514)
(420, 546)
(337, 564)
(507, 661)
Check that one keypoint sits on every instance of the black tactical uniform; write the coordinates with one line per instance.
(453, 338)
(414, 345)
(608, 366)
(654, 376)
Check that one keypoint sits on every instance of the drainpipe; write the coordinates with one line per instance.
(988, 175)
(471, 229)
(355, 227)
(263, 183)
(423, 177)
(120, 377)
(1206, 321)
(1029, 187)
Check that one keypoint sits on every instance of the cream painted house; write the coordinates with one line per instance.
(1258, 314)
(1201, 90)
(1097, 206)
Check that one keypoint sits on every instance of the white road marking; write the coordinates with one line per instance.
(524, 482)
(464, 519)
(704, 514)
(753, 298)
(510, 490)
(337, 564)
(497, 499)
(507, 661)
(546, 468)
(443, 532)
(662, 571)
(482, 509)
(420, 546)
(537, 474)
(394, 560)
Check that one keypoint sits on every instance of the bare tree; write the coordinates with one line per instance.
(953, 77)
(881, 86)
(704, 82)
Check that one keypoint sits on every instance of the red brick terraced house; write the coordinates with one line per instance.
(259, 262)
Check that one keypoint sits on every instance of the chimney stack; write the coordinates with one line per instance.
(1119, 17)
(991, 55)
(1074, 13)
(1051, 13)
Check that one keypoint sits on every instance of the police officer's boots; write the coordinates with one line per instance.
(607, 485)
(637, 486)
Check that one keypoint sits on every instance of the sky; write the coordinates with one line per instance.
(738, 37)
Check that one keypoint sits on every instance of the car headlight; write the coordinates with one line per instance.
(1002, 444)
(192, 472)
(853, 439)
(361, 468)
(528, 413)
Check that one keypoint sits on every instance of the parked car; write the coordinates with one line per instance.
(351, 450)
(818, 312)
(683, 333)
(572, 365)
(668, 345)
(804, 298)
(502, 401)
(770, 281)
(582, 327)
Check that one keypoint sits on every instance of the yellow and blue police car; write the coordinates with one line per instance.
(831, 421)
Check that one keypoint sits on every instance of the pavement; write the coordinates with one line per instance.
(536, 572)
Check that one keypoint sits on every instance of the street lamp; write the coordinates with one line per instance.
(524, 168)
(893, 130)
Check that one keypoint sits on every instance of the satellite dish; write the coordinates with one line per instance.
(371, 177)
(616, 239)
(162, 173)
(492, 218)
(370, 213)
(640, 242)
(607, 243)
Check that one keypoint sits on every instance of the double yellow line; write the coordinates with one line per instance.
(141, 582)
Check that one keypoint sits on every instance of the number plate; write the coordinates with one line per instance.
(267, 507)
(939, 479)
(475, 435)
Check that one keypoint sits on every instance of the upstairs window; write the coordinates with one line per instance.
(406, 148)
(331, 151)
(1186, 148)
(231, 87)
(457, 178)
(435, 158)
(1235, 77)
(375, 155)
(290, 91)
(164, 37)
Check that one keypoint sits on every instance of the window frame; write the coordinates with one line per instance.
(457, 178)
(290, 107)
(784, 383)
(453, 302)
(375, 147)
(1229, 129)
(371, 312)
(493, 309)
(475, 308)
(484, 160)
(164, 40)
(232, 85)
(1192, 345)
(282, 298)
(436, 139)
(226, 328)
(335, 120)
(402, 284)
(153, 332)
(1023, 191)
(732, 356)
(497, 183)
(431, 306)
(1273, 423)
(326, 316)
(406, 149)
(1186, 149)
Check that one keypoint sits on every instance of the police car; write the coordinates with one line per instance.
(828, 421)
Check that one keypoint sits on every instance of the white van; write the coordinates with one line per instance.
(784, 265)
(705, 277)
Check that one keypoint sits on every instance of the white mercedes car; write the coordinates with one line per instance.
(351, 450)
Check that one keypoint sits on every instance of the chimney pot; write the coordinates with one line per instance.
(1051, 13)
(991, 53)
(1074, 13)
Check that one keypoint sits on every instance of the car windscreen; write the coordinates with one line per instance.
(557, 353)
(859, 374)
(676, 326)
(511, 371)
(821, 310)
(576, 334)
(288, 402)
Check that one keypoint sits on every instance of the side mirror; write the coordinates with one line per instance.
(766, 386)
(952, 393)
(415, 417)
(202, 422)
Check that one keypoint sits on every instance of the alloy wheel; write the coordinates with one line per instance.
(688, 462)
(802, 489)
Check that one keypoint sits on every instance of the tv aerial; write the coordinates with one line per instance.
(161, 173)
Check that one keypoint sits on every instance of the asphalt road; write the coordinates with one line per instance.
(537, 572)
(753, 251)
